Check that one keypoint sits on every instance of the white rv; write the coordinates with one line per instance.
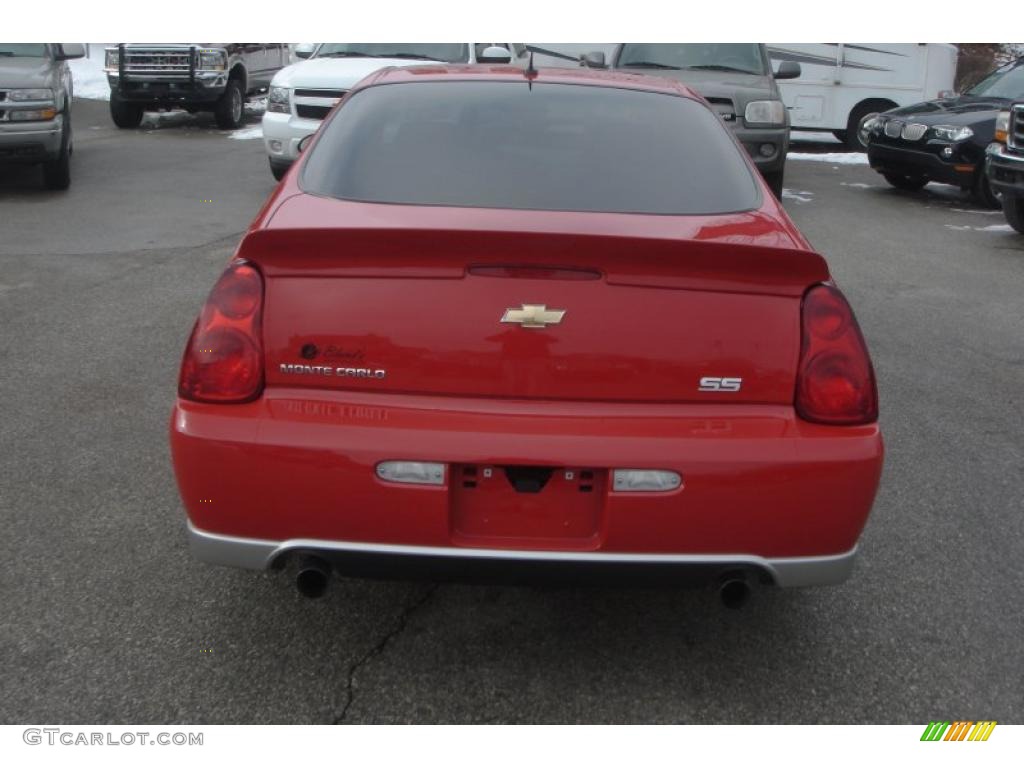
(841, 84)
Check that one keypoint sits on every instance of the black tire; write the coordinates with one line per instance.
(859, 114)
(909, 183)
(984, 194)
(230, 108)
(774, 181)
(1013, 208)
(125, 114)
(279, 170)
(57, 172)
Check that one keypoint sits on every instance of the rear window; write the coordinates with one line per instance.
(541, 147)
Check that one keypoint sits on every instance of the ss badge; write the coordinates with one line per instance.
(719, 384)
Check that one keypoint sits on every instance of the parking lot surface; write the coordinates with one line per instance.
(107, 619)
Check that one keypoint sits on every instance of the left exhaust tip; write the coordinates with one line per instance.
(313, 577)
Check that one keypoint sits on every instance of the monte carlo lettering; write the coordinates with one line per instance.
(327, 370)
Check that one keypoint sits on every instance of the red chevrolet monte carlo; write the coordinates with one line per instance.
(527, 325)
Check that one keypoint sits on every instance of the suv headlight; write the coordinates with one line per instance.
(1002, 126)
(211, 59)
(771, 113)
(952, 132)
(30, 94)
(113, 58)
(279, 100)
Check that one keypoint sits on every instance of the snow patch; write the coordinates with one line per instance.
(983, 213)
(989, 228)
(857, 184)
(797, 195)
(255, 132)
(87, 75)
(837, 158)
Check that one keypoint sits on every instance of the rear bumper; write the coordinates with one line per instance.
(446, 563)
(296, 470)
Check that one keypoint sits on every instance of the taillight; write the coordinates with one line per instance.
(835, 381)
(223, 361)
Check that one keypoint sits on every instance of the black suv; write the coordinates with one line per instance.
(944, 140)
(1005, 164)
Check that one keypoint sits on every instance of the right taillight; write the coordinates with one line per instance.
(835, 381)
(223, 361)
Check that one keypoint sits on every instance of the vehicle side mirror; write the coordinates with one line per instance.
(787, 70)
(594, 60)
(495, 54)
(69, 51)
(304, 50)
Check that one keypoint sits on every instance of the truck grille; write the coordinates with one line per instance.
(157, 60)
(319, 94)
(311, 112)
(1015, 136)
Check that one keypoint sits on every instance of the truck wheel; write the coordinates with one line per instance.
(278, 170)
(842, 136)
(909, 183)
(1013, 207)
(57, 172)
(124, 114)
(230, 107)
(774, 181)
(983, 192)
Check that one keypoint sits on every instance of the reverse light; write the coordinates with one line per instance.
(645, 480)
(223, 362)
(416, 472)
(1002, 126)
(952, 132)
(835, 381)
(279, 100)
(765, 113)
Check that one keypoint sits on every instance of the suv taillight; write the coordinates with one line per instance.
(223, 361)
(835, 381)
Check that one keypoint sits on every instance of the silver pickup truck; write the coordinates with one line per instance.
(35, 107)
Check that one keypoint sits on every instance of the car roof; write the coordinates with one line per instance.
(509, 73)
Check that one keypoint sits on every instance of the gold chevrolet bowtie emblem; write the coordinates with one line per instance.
(533, 316)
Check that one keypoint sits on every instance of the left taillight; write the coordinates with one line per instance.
(223, 361)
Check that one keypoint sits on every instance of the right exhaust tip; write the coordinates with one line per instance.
(313, 576)
(734, 593)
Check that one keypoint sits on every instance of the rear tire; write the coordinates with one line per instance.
(908, 183)
(230, 108)
(123, 114)
(57, 172)
(984, 194)
(774, 181)
(1013, 208)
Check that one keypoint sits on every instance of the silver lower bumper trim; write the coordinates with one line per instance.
(258, 554)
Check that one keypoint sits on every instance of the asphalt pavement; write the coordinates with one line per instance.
(106, 618)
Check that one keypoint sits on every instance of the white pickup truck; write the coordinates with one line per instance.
(302, 95)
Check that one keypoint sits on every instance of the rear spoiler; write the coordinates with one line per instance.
(449, 254)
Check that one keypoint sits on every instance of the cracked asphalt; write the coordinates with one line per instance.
(106, 619)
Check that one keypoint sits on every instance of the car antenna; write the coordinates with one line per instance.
(531, 72)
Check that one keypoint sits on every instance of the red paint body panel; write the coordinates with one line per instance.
(301, 465)
(653, 303)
